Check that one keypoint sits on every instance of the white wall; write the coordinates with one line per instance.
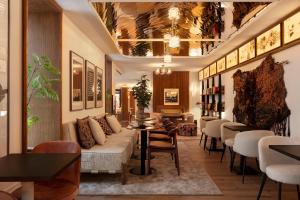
(74, 39)
(195, 91)
(15, 84)
(291, 77)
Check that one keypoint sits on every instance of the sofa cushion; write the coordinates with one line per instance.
(97, 131)
(104, 125)
(85, 136)
(114, 123)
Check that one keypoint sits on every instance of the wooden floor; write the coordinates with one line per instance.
(229, 183)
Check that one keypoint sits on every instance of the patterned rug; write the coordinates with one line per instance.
(193, 180)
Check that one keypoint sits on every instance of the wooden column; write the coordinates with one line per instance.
(108, 85)
(124, 104)
(132, 103)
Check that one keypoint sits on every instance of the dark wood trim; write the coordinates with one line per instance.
(71, 78)
(24, 74)
(8, 78)
(258, 57)
(96, 77)
(61, 66)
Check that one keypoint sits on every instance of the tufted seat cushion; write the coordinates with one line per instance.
(155, 136)
(284, 173)
(56, 189)
(161, 145)
(229, 142)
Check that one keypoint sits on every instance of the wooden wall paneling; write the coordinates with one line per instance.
(132, 102)
(178, 79)
(108, 85)
(45, 39)
(124, 104)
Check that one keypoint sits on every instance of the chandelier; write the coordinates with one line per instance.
(163, 71)
(174, 13)
(174, 41)
(172, 38)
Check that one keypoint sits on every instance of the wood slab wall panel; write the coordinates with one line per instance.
(178, 80)
(124, 104)
(44, 38)
(108, 85)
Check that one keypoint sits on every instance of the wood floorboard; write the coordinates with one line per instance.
(229, 183)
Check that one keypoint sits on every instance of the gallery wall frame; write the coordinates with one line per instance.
(77, 82)
(221, 64)
(99, 88)
(90, 85)
(171, 96)
(283, 44)
(213, 69)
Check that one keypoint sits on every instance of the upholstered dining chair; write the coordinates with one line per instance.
(203, 124)
(66, 185)
(6, 196)
(213, 130)
(246, 145)
(165, 147)
(277, 166)
(227, 137)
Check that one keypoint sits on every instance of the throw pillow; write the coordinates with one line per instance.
(114, 123)
(97, 131)
(104, 125)
(85, 136)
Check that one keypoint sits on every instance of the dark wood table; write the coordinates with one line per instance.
(27, 168)
(240, 128)
(173, 115)
(292, 151)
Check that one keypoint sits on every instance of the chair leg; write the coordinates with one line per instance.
(232, 160)
(210, 146)
(205, 141)
(177, 162)
(244, 166)
(298, 191)
(262, 184)
(123, 174)
(201, 138)
(149, 160)
(279, 190)
(172, 156)
(257, 164)
(224, 149)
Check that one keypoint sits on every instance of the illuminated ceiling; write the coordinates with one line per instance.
(139, 28)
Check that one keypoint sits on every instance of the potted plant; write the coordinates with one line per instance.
(42, 76)
(142, 94)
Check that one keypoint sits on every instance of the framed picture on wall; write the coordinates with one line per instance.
(206, 72)
(213, 69)
(99, 87)
(171, 96)
(247, 51)
(221, 65)
(90, 89)
(201, 75)
(232, 59)
(76, 82)
(269, 40)
(4, 77)
(291, 28)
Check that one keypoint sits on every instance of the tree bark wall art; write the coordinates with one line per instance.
(260, 95)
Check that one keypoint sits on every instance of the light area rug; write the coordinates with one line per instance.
(193, 180)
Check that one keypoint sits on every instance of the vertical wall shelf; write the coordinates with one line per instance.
(211, 96)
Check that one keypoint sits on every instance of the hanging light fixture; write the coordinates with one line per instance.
(174, 13)
(162, 71)
(149, 53)
(174, 41)
(167, 58)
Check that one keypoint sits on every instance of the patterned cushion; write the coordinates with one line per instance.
(85, 136)
(104, 125)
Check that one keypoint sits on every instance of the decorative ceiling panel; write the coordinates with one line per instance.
(139, 28)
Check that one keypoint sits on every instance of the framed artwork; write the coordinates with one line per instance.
(90, 94)
(171, 96)
(201, 75)
(99, 87)
(291, 28)
(4, 77)
(221, 65)
(76, 82)
(232, 59)
(269, 40)
(247, 51)
(213, 69)
(206, 72)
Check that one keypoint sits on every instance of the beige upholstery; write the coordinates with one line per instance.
(213, 128)
(203, 122)
(227, 134)
(108, 157)
(246, 143)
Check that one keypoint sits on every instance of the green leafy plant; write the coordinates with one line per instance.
(142, 93)
(42, 75)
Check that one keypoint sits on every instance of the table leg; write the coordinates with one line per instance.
(27, 191)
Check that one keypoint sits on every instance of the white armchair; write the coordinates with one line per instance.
(227, 136)
(213, 130)
(277, 166)
(203, 121)
(246, 144)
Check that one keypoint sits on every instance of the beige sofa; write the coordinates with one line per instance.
(112, 157)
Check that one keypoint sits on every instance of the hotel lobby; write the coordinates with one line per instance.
(143, 99)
